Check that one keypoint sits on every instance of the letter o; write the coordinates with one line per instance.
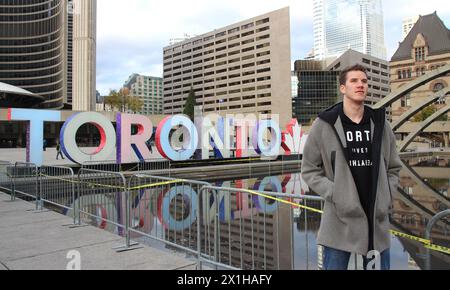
(190, 200)
(107, 137)
(261, 202)
(258, 143)
(162, 138)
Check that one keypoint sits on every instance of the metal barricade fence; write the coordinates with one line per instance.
(244, 227)
(162, 165)
(107, 165)
(102, 201)
(429, 227)
(165, 210)
(25, 179)
(6, 169)
(57, 187)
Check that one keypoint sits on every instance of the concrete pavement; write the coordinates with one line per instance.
(45, 240)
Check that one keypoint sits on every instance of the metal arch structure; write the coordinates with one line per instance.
(394, 96)
(412, 173)
(411, 86)
(407, 115)
(422, 127)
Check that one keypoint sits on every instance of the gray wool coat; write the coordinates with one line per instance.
(344, 225)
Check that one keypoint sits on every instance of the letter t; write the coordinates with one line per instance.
(35, 129)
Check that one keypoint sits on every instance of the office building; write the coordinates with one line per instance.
(84, 54)
(340, 25)
(318, 89)
(377, 73)
(240, 68)
(407, 25)
(149, 90)
(294, 84)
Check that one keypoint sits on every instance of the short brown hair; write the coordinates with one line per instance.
(343, 75)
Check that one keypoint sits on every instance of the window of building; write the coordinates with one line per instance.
(262, 21)
(236, 29)
(248, 41)
(406, 101)
(233, 37)
(223, 33)
(247, 33)
(262, 29)
(420, 53)
(246, 26)
(437, 87)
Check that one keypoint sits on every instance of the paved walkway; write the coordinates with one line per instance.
(32, 240)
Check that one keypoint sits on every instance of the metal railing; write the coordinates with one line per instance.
(154, 165)
(430, 225)
(102, 200)
(57, 187)
(165, 210)
(6, 181)
(107, 165)
(159, 165)
(25, 178)
(238, 234)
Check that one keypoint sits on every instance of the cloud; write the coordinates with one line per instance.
(131, 34)
(396, 11)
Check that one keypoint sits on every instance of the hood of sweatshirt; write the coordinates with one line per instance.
(331, 115)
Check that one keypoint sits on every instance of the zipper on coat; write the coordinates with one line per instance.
(333, 163)
(389, 186)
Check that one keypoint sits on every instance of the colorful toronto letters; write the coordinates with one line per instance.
(267, 139)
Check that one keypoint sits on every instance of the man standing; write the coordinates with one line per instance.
(350, 159)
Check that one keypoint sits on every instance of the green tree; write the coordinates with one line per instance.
(123, 101)
(190, 104)
(134, 104)
(113, 99)
(426, 113)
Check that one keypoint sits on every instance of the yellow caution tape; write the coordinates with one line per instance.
(437, 248)
(425, 242)
(403, 235)
(156, 184)
(281, 200)
(221, 161)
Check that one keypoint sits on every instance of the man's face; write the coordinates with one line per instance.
(356, 86)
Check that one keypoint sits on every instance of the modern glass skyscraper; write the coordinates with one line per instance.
(343, 24)
(318, 89)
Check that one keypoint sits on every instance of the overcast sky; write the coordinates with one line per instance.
(131, 34)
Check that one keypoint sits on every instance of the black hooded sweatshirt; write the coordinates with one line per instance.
(359, 152)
